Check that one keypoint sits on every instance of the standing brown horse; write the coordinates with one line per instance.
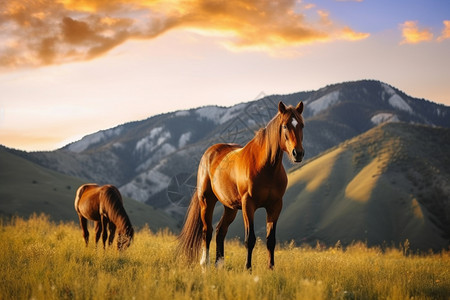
(103, 205)
(244, 178)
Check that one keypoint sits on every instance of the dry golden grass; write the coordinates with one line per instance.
(43, 260)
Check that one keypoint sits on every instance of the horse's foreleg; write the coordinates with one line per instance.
(248, 212)
(98, 231)
(83, 224)
(272, 217)
(112, 232)
(104, 230)
(221, 231)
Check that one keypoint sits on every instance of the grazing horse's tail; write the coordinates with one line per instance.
(190, 238)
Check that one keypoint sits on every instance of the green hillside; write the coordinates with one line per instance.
(27, 188)
(387, 185)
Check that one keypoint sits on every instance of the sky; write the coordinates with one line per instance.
(69, 68)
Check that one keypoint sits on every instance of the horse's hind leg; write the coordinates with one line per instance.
(98, 231)
(221, 231)
(206, 212)
(248, 212)
(83, 224)
(112, 232)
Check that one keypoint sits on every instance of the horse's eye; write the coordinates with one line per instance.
(284, 127)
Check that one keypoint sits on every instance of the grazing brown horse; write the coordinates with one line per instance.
(244, 178)
(104, 206)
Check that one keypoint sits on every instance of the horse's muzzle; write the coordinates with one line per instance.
(298, 155)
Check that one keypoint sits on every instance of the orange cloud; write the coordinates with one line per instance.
(47, 32)
(413, 35)
(350, 35)
(445, 32)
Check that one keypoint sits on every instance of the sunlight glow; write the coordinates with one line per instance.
(361, 187)
(317, 171)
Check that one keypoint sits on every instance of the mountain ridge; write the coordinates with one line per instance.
(155, 160)
(127, 151)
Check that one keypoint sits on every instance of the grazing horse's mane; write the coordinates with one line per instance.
(113, 205)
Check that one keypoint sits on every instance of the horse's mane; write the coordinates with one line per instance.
(113, 205)
(270, 135)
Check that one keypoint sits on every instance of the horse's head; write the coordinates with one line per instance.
(291, 130)
(124, 239)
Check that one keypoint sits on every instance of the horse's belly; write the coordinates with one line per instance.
(89, 211)
(227, 193)
(233, 203)
(266, 197)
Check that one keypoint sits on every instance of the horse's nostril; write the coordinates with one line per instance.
(294, 153)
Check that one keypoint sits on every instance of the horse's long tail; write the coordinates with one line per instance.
(190, 238)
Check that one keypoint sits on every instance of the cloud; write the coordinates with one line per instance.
(413, 35)
(445, 32)
(44, 32)
(350, 35)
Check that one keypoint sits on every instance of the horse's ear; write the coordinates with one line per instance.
(281, 107)
(299, 107)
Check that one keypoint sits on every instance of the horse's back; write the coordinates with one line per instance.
(215, 154)
(216, 158)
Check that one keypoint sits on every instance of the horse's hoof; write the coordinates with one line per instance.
(249, 269)
(220, 263)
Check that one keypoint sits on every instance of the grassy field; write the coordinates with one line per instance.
(44, 260)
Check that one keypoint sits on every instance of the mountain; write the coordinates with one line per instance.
(28, 188)
(155, 160)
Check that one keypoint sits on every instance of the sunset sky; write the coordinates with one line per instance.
(69, 68)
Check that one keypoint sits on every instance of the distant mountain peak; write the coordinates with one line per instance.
(322, 103)
(92, 139)
(395, 100)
